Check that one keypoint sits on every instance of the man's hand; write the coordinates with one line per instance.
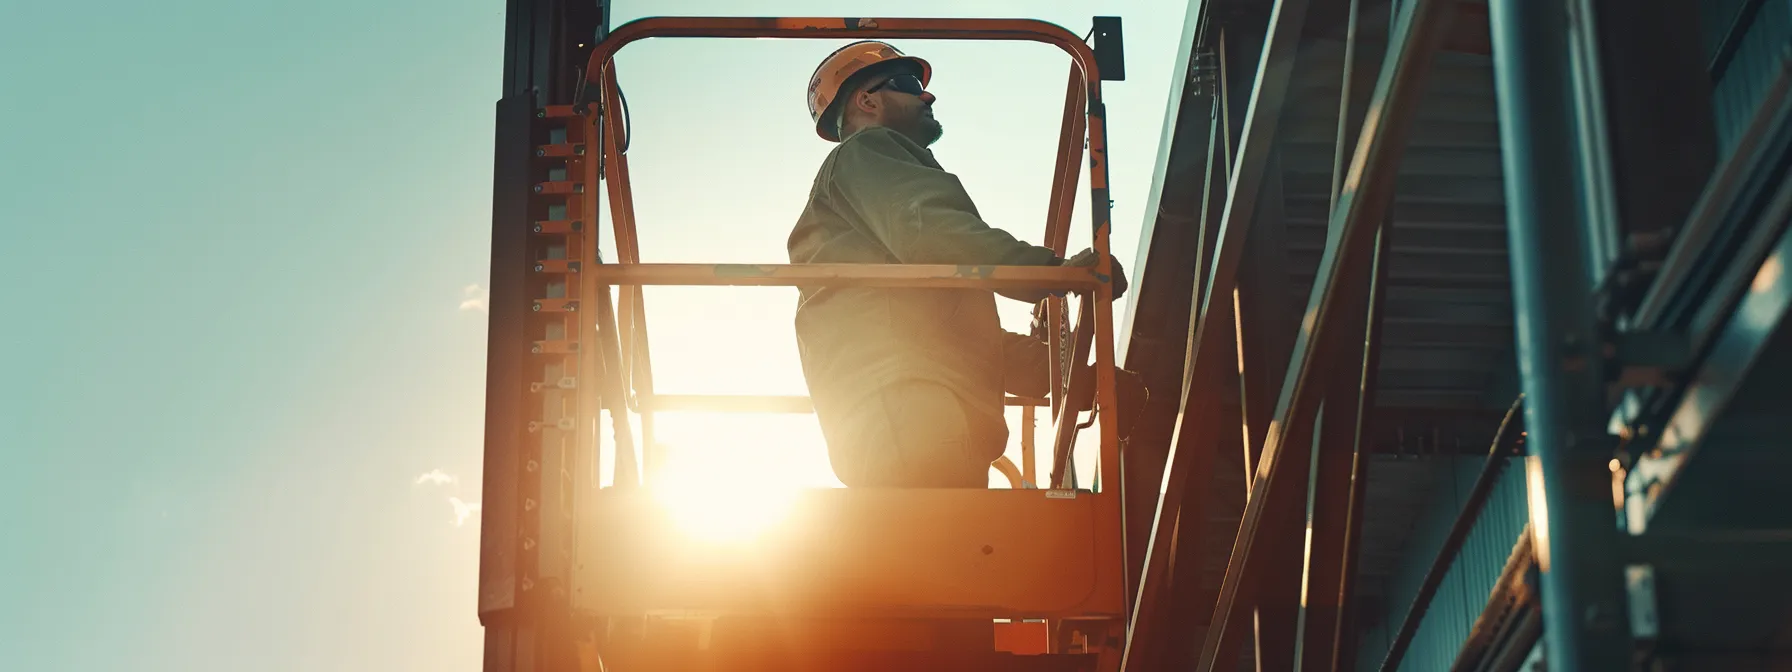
(1087, 259)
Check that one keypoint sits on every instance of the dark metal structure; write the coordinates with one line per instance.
(1509, 192)
(1374, 225)
(526, 530)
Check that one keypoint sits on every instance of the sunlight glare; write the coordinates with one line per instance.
(720, 511)
(717, 487)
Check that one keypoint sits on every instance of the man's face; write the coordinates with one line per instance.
(907, 108)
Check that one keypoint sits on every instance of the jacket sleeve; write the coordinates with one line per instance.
(918, 211)
(1026, 370)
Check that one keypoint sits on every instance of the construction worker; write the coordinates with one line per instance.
(907, 383)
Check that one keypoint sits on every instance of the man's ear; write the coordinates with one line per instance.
(866, 102)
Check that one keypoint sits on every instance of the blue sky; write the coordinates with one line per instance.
(242, 247)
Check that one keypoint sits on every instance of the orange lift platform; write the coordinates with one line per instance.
(575, 575)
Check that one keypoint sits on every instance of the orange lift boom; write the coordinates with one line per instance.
(615, 562)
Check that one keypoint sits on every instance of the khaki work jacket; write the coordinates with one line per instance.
(881, 198)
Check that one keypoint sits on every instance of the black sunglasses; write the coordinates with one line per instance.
(908, 84)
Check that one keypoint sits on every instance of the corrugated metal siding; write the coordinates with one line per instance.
(1470, 580)
(1739, 88)
(1448, 332)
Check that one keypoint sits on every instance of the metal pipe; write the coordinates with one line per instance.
(1497, 456)
(1231, 45)
(1265, 323)
(1361, 210)
(1070, 151)
(1029, 463)
(1340, 464)
(1147, 633)
(592, 370)
(1600, 200)
(1006, 468)
(1055, 314)
(614, 339)
(827, 28)
(1057, 217)
(1064, 430)
(1558, 345)
(613, 390)
(1345, 635)
(641, 376)
(1341, 150)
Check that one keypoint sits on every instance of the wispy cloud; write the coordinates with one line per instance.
(438, 477)
(463, 510)
(475, 297)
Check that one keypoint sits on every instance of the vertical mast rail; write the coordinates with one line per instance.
(538, 383)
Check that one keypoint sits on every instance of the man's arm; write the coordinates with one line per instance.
(1026, 365)
(921, 213)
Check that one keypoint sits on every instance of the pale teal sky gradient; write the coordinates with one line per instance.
(235, 243)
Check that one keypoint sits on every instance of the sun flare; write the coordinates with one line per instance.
(730, 478)
(721, 511)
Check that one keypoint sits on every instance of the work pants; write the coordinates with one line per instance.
(918, 434)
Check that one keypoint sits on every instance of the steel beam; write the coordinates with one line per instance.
(1361, 209)
(1275, 597)
(1265, 325)
(1180, 597)
(1170, 246)
(1336, 491)
(505, 414)
(1335, 485)
(1149, 634)
(1710, 272)
(1652, 480)
(1181, 514)
(1559, 349)
(1265, 320)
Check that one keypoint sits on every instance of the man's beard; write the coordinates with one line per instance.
(923, 129)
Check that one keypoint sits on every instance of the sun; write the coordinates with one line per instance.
(715, 507)
(728, 478)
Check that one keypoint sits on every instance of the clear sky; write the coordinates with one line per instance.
(242, 246)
